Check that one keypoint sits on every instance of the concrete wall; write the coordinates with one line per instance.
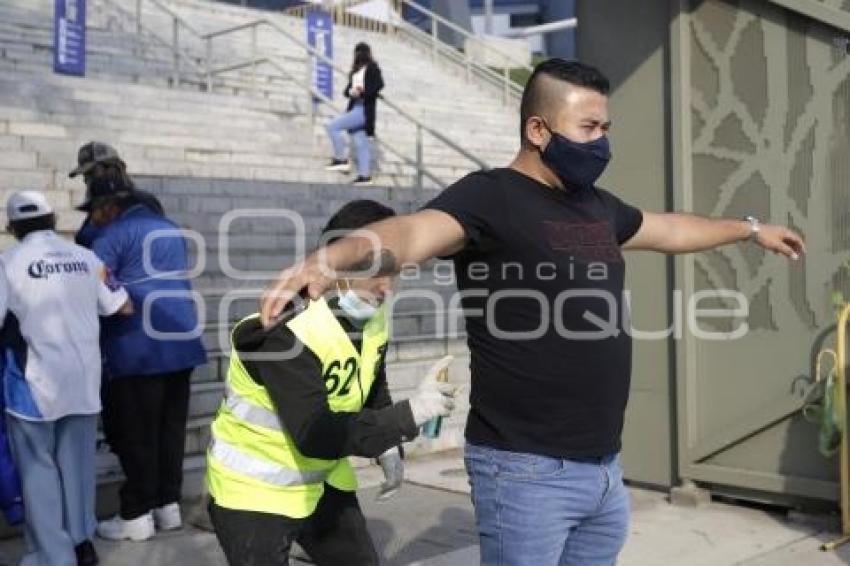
(639, 107)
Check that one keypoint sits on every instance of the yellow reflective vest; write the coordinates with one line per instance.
(252, 462)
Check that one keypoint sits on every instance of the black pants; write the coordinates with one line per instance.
(144, 419)
(335, 534)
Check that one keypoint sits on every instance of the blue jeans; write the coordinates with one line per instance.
(533, 509)
(56, 462)
(354, 122)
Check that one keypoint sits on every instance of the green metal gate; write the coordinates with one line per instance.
(761, 125)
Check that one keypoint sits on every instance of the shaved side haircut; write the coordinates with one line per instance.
(543, 92)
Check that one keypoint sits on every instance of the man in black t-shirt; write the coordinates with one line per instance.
(537, 251)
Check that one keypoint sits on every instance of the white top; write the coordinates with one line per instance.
(53, 291)
(358, 79)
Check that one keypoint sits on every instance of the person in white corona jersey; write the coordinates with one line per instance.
(51, 295)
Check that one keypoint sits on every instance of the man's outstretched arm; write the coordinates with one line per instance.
(384, 247)
(683, 233)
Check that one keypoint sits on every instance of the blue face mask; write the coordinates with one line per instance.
(576, 164)
(356, 308)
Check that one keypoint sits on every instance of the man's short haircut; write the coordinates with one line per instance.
(537, 97)
(355, 215)
(20, 228)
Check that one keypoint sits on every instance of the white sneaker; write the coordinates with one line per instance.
(338, 165)
(167, 517)
(138, 529)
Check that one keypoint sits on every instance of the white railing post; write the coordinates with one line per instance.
(175, 47)
(254, 60)
(138, 17)
(310, 84)
(420, 160)
(434, 38)
(397, 17)
(209, 64)
(488, 17)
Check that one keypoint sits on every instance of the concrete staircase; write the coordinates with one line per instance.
(438, 94)
(260, 132)
(248, 144)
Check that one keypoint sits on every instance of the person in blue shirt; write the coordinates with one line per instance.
(148, 357)
(97, 159)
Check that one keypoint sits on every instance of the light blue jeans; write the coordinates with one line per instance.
(56, 462)
(544, 511)
(354, 122)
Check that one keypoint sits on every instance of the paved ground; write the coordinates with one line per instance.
(430, 523)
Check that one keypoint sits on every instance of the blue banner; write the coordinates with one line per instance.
(320, 29)
(69, 37)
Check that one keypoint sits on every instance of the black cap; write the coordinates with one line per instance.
(100, 187)
(91, 154)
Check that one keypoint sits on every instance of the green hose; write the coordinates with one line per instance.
(825, 412)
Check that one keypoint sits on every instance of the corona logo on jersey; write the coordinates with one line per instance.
(43, 269)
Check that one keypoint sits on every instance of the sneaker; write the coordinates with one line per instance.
(167, 517)
(362, 181)
(86, 554)
(338, 165)
(138, 529)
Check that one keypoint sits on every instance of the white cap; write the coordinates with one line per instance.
(27, 204)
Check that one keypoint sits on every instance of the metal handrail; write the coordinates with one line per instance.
(305, 85)
(175, 48)
(436, 134)
(568, 23)
(841, 411)
(320, 56)
(178, 54)
(341, 15)
(409, 117)
(171, 13)
(232, 29)
(508, 86)
(454, 27)
(256, 59)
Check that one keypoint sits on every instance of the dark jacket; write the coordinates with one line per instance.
(373, 84)
(299, 393)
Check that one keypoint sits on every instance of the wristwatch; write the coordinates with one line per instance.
(755, 227)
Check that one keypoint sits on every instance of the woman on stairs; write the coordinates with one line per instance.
(364, 86)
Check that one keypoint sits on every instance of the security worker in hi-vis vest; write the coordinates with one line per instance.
(301, 396)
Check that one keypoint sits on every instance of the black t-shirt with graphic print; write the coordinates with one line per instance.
(542, 281)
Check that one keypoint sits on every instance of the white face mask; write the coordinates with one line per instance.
(355, 307)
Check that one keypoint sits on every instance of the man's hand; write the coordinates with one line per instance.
(306, 275)
(393, 467)
(781, 240)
